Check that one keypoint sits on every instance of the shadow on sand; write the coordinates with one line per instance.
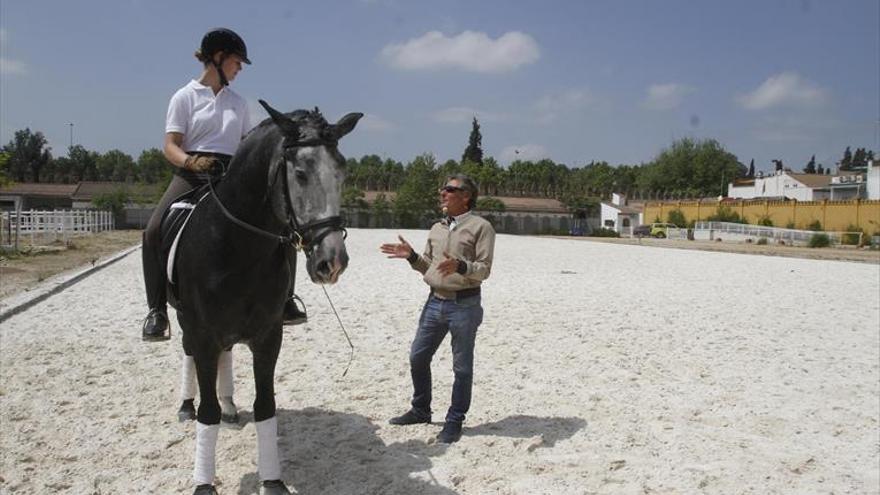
(520, 426)
(330, 452)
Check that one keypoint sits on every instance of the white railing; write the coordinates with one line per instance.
(44, 227)
(790, 236)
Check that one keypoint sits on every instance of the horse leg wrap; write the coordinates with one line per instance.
(267, 446)
(206, 447)
(225, 380)
(188, 379)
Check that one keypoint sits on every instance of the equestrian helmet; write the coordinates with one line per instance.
(223, 40)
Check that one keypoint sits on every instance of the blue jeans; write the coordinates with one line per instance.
(460, 318)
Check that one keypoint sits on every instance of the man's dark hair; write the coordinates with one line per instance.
(468, 185)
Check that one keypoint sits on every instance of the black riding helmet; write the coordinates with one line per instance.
(225, 41)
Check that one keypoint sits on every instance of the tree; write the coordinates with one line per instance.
(28, 154)
(115, 165)
(846, 162)
(860, 159)
(474, 151)
(751, 168)
(352, 197)
(4, 163)
(152, 167)
(777, 165)
(695, 167)
(416, 199)
(83, 163)
(811, 166)
(820, 170)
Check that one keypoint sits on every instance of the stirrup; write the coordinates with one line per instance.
(294, 317)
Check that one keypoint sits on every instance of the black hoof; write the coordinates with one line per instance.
(187, 411)
(205, 490)
(274, 487)
(230, 419)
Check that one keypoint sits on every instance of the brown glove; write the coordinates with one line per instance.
(199, 163)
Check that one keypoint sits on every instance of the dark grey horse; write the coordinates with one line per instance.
(283, 186)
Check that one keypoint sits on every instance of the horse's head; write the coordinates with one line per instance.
(308, 171)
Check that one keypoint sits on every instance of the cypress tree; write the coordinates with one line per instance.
(474, 151)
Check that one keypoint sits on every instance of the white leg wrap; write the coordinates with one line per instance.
(268, 464)
(206, 447)
(225, 381)
(188, 379)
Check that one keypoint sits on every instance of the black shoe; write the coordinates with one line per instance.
(275, 487)
(187, 411)
(205, 490)
(450, 433)
(155, 326)
(292, 313)
(411, 417)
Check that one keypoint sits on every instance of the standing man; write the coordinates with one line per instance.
(457, 258)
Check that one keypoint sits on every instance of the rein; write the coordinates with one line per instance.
(303, 237)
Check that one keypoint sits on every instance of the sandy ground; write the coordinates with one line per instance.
(601, 368)
(24, 271)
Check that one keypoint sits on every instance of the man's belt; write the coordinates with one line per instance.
(454, 295)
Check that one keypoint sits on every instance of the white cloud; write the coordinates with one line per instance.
(458, 115)
(794, 129)
(374, 123)
(666, 96)
(550, 107)
(12, 67)
(531, 152)
(471, 51)
(784, 89)
(9, 66)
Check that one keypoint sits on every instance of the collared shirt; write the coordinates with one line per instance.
(209, 123)
(453, 221)
(470, 239)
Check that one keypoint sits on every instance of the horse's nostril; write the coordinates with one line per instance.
(323, 268)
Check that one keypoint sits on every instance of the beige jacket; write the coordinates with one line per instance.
(472, 241)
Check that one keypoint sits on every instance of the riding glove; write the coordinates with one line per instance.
(199, 163)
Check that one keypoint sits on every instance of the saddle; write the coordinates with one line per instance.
(174, 220)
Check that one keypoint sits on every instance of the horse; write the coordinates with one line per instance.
(283, 188)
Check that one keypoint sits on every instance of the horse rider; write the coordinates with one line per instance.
(205, 122)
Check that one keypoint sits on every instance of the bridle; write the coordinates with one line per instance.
(303, 237)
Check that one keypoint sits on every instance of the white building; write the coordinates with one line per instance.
(802, 187)
(873, 180)
(619, 217)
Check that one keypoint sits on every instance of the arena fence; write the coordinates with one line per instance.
(46, 227)
(739, 231)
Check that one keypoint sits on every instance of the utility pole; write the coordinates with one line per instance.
(71, 133)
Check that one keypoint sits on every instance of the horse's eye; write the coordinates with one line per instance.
(301, 175)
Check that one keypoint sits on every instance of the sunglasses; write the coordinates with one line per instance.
(451, 189)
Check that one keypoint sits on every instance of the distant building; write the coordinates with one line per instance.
(618, 216)
(873, 180)
(801, 187)
(33, 196)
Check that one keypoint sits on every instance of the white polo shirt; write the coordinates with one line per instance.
(209, 123)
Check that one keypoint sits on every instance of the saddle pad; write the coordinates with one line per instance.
(184, 209)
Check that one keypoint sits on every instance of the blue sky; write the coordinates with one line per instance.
(573, 81)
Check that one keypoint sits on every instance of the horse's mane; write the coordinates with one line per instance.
(307, 118)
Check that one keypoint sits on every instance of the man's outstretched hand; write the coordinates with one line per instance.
(399, 250)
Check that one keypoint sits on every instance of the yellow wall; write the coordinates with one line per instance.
(835, 216)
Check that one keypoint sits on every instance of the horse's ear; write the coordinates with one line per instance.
(288, 126)
(346, 124)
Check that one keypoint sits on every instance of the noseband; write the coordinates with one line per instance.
(304, 237)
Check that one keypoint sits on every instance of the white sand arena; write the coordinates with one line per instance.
(600, 368)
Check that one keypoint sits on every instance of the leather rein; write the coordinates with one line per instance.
(304, 237)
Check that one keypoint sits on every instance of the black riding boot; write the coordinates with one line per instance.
(156, 326)
(292, 314)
